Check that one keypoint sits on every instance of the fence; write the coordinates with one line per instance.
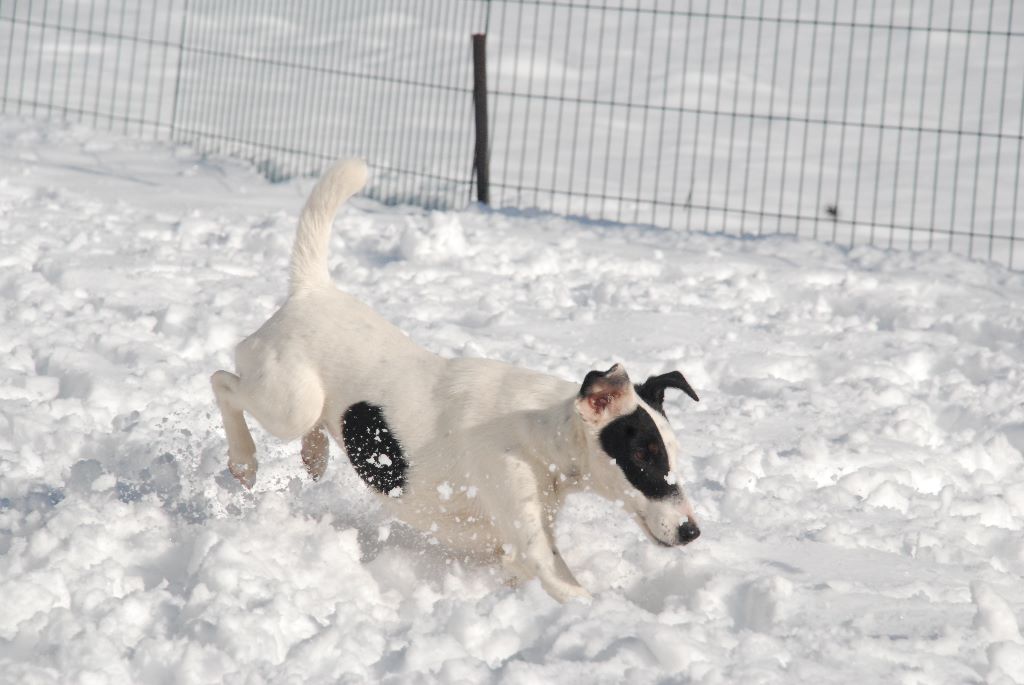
(874, 121)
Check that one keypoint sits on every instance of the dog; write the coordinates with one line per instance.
(478, 453)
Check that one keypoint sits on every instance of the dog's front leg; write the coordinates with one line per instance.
(519, 514)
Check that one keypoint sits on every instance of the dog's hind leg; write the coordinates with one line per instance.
(315, 452)
(241, 449)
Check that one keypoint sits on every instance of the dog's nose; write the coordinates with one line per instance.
(688, 532)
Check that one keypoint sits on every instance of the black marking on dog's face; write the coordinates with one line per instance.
(635, 443)
(652, 391)
(373, 448)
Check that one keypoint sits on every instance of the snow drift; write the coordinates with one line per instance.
(856, 460)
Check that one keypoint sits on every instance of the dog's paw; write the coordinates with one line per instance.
(564, 592)
(580, 594)
(244, 472)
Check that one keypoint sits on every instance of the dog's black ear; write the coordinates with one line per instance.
(652, 391)
(601, 393)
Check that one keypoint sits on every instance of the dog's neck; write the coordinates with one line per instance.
(564, 454)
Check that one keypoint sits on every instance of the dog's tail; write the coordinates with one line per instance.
(309, 255)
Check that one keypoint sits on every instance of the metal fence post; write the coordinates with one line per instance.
(481, 162)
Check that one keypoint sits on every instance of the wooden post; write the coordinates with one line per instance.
(481, 163)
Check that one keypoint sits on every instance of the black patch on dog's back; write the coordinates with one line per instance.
(635, 444)
(373, 448)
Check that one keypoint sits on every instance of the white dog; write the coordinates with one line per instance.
(480, 453)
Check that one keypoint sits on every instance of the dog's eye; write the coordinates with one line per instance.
(641, 456)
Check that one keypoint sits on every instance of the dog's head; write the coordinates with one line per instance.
(633, 451)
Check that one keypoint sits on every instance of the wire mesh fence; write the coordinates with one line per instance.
(110, 66)
(894, 123)
(288, 85)
(296, 85)
(890, 123)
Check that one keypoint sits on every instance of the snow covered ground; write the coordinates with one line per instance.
(856, 459)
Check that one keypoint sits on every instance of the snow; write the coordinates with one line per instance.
(855, 461)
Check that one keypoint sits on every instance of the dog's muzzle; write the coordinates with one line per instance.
(688, 532)
(669, 522)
